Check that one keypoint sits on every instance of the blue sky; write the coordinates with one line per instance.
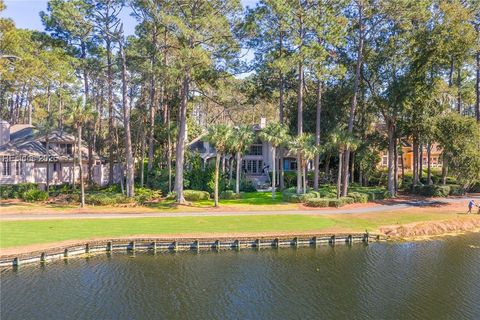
(25, 13)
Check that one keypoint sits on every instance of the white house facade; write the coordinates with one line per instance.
(23, 157)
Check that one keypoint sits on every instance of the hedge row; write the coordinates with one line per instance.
(329, 202)
(191, 195)
(435, 190)
(16, 191)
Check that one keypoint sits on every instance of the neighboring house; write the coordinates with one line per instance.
(407, 151)
(23, 157)
(258, 157)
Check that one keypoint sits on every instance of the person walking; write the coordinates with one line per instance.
(471, 204)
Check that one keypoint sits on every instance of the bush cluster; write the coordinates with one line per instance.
(229, 194)
(143, 195)
(359, 197)
(16, 191)
(196, 195)
(437, 190)
(106, 199)
(329, 202)
(32, 195)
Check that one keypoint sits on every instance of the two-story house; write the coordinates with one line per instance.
(23, 157)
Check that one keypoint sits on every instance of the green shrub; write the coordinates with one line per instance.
(432, 190)
(32, 195)
(12, 191)
(318, 202)
(456, 190)
(328, 202)
(229, 194)
(359, 197)
(247, 186)
(143, 195)
(340, 202)
(107, 199)
(289, 196)
(195, 195)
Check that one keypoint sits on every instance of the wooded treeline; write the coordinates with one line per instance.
(356, 77)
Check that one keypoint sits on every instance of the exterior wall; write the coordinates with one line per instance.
(436, 158)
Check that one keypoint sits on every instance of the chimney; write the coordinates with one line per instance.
(4, 132)
(263, 123)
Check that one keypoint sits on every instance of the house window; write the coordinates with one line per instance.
(7, 168)
(69, 149)
(19, 168)
(384, 161)
(56, 167)
(256, 150)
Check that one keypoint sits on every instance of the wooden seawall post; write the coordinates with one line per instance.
(87, 248)
(276, 243)
(109, 246)
(332, 240)
(237, 244)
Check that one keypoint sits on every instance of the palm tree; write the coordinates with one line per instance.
(342, 140)
(276, 134)
(79, 116)
(306, 148)
(239, 142)
(218, 135)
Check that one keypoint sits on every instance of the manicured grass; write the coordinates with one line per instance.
(21, 233)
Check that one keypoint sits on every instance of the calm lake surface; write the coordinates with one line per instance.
(413, 280)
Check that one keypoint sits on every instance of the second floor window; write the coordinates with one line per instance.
(256, 150)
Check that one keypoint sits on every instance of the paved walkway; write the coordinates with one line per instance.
(380, 208)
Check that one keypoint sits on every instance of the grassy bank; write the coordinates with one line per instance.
(28, 232)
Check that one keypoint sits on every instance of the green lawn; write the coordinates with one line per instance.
(20, 233)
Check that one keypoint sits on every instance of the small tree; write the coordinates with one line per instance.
(342, 140)
(79, 116)
(276, 134)
(218, 135)
(306, 148)
(239, 142)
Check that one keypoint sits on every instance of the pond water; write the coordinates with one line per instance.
(437, 279)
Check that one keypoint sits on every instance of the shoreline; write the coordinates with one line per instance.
(410, 232)
(168, 244)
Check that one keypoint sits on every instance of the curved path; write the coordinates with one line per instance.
(379, 208)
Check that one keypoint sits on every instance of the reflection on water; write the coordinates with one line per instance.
(415, 280)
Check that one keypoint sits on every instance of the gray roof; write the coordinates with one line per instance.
(26, 141)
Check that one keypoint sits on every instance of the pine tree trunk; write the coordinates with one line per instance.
(217, 171)
(111, 115)
(273, 172)
(151, 131)
(47, 146)
(477, 86)
(316, 169)
(429, 164)
(80, 167)
(444, 169)
(181, 138)
(339, 177)
(126, 123)
(238, 177)
(391, 155)
(353, 105)
(142, 159)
